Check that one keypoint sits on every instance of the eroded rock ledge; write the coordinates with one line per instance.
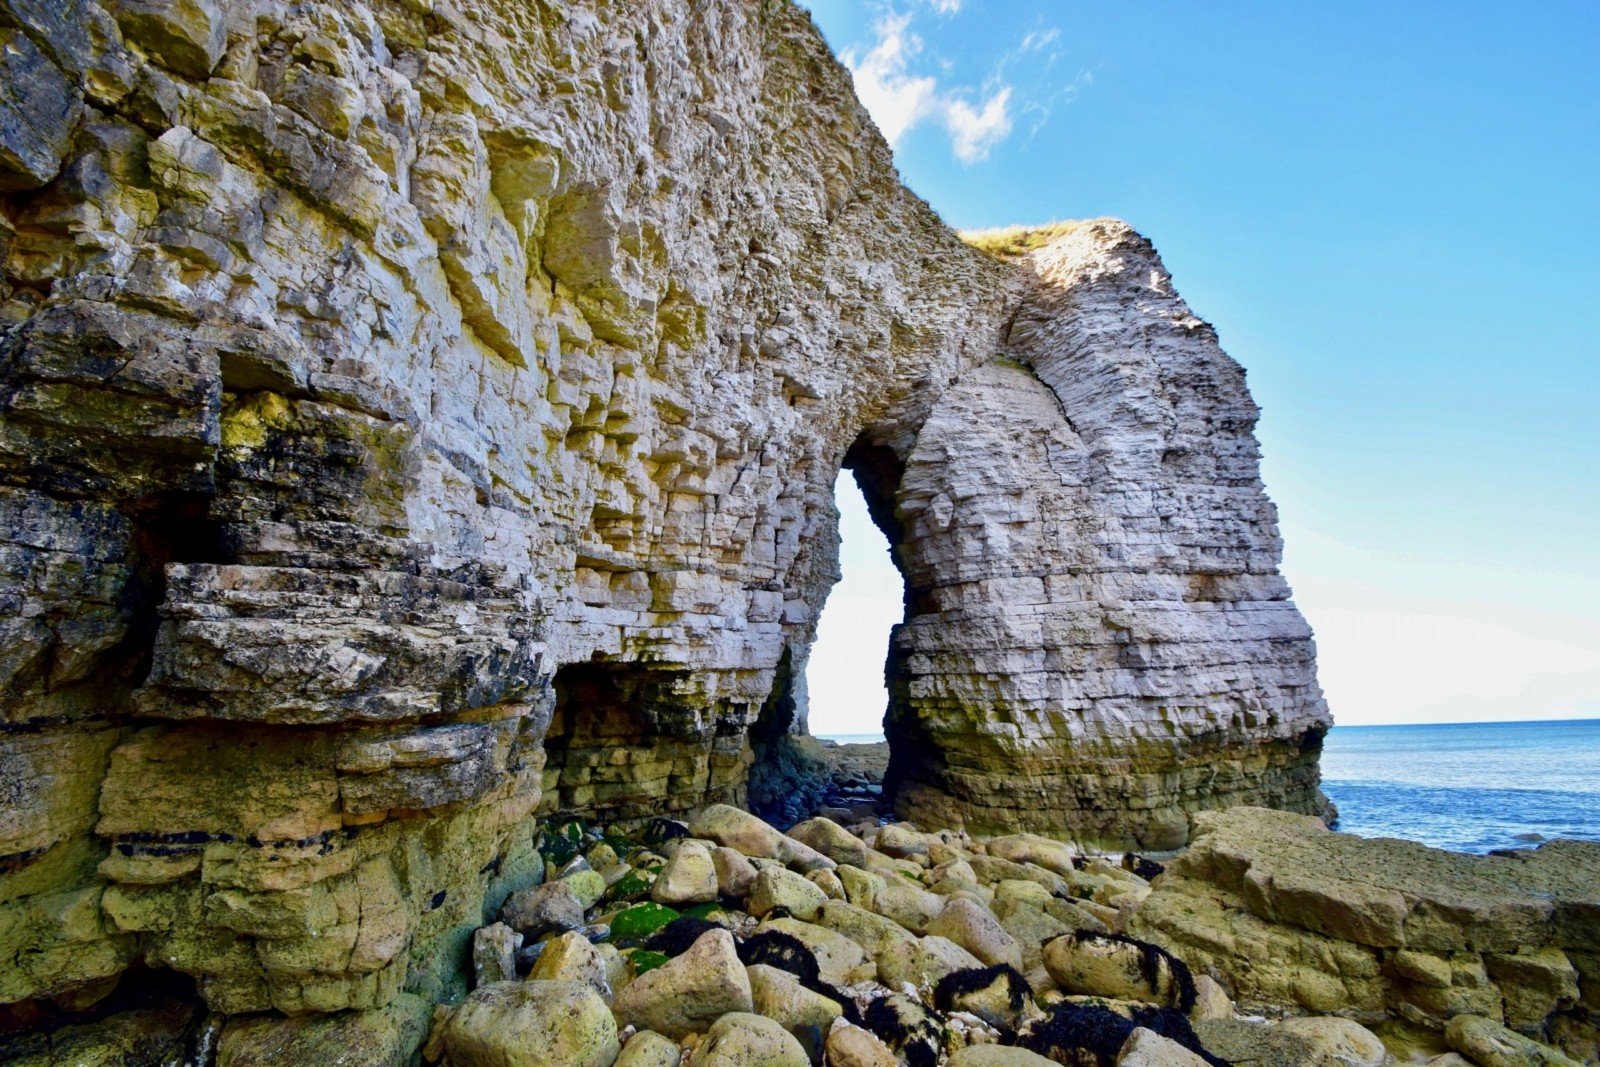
(416, 415)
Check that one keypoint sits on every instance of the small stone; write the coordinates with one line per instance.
(830, 839)
(551, 906)
(740, 1039)
(851, 1046)
(571, 958)
(736, 875)
(1146, 1048)
(532, 1024)
(494, 954)
(687, 993)
(978, 931)
(649, 1049)
(776, 887)
(690, 877)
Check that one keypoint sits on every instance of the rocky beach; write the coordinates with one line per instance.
(418, 429)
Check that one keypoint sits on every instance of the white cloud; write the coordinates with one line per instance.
(899, 100)
(974, 132)
(946, 7)
(1040, 39)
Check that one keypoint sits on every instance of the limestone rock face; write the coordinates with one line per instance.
(416, 416)
(1292, 916)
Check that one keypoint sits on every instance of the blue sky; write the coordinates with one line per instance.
(1390, 213)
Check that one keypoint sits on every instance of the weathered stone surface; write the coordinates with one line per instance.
(837, 954)
(997, 1056)
(851, 1046)
(690, 877)
(494, 954)
(385, 1037)
(740, 1039)
(1488, 1044)
(975, 929)
(688, 993)
(532, 1024)
(776, 887)
(830, 839)
(1146, 1048)
(571, 958)
(417, 416)
(921, 962)
(778, 996)
(38, 109)
(1292, 916)
(649, 1049)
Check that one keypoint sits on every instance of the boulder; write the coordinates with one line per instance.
(776, 887)
(836, 955)
(901, 841)
(1335, 1042)
(872, 932)
(1489, 1044)
(572, 958)
(551, 906)
(909, 905)
(779, 996)
(830, 839)
(976, 929)
(1107, 965)
(997, 1056)
(740, 1039)
(649, 1049)
(746, 834)
(689, 992)
(690, 877)
(1031, 848)
(828, 882)
(922, 961)
(532, 1024)
(494, 954)
(851, 1046)
(187, 36)
(1146, 1048)
(736, 875)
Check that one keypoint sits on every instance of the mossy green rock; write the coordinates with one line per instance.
(640, 921)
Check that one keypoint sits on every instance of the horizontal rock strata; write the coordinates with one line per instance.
(416, 415)
(1291, 916)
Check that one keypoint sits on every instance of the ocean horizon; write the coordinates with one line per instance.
(1467, 787)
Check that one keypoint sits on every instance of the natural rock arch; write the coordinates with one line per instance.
(351, 434)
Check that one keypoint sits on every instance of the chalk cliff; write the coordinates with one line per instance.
(417, 415)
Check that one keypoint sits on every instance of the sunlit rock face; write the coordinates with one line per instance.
(1098, 642)
(415, 416)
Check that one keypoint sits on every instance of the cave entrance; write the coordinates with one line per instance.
(623, 743)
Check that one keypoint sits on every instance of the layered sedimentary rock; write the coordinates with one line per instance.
(1095, 617)
(415, 414)
(1292, 917)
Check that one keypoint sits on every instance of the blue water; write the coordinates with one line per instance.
(1469, 787)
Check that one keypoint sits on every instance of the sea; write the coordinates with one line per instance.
(1467, 787)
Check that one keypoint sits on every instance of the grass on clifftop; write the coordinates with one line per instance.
(1012, 242)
